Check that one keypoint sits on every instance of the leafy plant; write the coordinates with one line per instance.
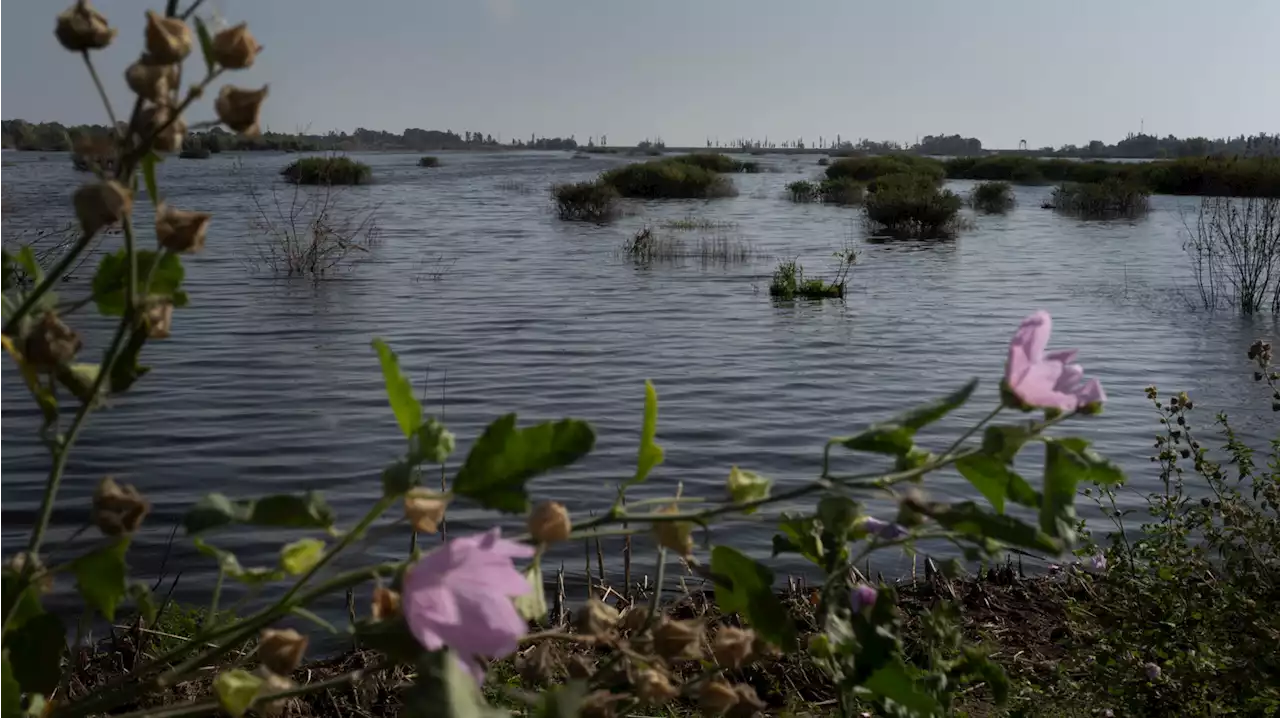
(911, 205)
(327, 171)
(586, 201)
(992, 197)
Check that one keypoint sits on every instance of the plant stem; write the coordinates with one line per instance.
(102, 93)
(54, 275)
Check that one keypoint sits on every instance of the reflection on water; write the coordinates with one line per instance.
(270, 385)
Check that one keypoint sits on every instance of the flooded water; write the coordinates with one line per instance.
(270, 385)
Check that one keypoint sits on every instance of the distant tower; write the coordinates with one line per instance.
(1022, 145)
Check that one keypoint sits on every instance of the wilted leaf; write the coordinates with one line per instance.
(298, 557)
(236, 689)
(745, 586)
(504, 458)
(404, 404)
(100, 576)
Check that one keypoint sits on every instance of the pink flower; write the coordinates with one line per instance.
(459, 596)
(1047, 380)
(1099, 563)
(862, 596)
(884, 529)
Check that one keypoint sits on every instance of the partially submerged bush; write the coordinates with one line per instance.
(1215, 176)
(327, 170)
(843, 191)
(1110, 198)
(717, 162)
(802, 191)
(992, 197)
(429, 161)
(667, 179)
(789, 282)
(1234, 248)
(910, 205)
(869, 168)
(585, 201)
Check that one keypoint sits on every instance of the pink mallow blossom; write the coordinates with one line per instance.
(862, 596)
(1047, 380)
(883, 529)
(459, 596)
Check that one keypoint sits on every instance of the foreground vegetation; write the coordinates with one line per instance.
(327, 171)
(912, 205)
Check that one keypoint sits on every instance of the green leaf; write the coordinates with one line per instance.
(444, 690)
(100, 576)
(398, 478)
(838, 515)
(802, 535)
(126, 370)
(39, 644)
(230, 565)
(19, 607)
(206, 46)
(1101, 470)
(111, 279)
(504, 458)
(651, 454)
(79, 379)
(532, 606)
(966, 518)
(891, 682)
(391, 637)
(1004, 442)
(746, 487)
(564, 701)
(888, 438)
(431, 443)
(143, 601)
(305, 511)
(26, 259)
(920, 417)
(746, 587)
(989, 475)
(11, 695)
(1067, 462)
(236, 690)
(148, 164)
(404, 404)
(300, 556)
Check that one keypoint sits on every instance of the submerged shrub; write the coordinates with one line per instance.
(844, 190)
(668, 179)
(327, 170)
(717, 162)
(429, 161)
(802, 191)
(992, 197)
(585, 201)
(869, 168)
(789, 282)
(910, 205)
(1101, 200)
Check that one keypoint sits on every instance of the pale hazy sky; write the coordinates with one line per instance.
(1049, 71)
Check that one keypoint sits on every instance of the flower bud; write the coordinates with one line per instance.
(386, 603)
(118, 509)
(538, 665)
(549, 523)
(581, 668)
(654, 688)
(80, 27)
(159, 318)
(101, 205)
(717, 697)
(168, 38)
(424, 510)
(597, 619)
(679, 640)
(239, 109)
(674, 535)
(749, 704)
(51, 343)
(280, 650)
(151, 82)
(235, 48)
(732, 646)
(181, 230)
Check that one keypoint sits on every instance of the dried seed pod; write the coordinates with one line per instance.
(386, 603)
(181, 230)
(748, 705)
(732, 647)
(118, 509)
(599, 704)
(152, 82)
(239, 109)
(717, 697)
(597, 619)
(101, 205)
(281, 650)
(549, 523)
(679, 640)
(235, 48)
(538, 665)
(424, 510)
(581, 667)
(51, 343)
(81, 27)
(653, 687)
(674, 535)
(168, 38)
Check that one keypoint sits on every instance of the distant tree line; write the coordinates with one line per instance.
(54, 137)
